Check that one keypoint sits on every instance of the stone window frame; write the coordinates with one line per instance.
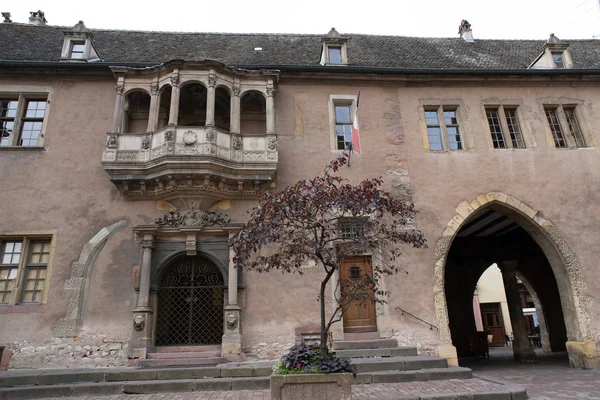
(15, 302)
(580, 113)
(23, 94)
(70, 41)
(337, 45)
(339, 100)
(501, 106)
(463, 123)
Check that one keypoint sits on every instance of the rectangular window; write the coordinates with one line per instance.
(495, 128)
(558, 60)
(516, 136)
(77, 49)
(21, 121)
(334, 55)
(447, 125)
(8, 114)
(557, 132)
(574, 127)
(351, 228)
(452, 129)
(343, 126)
(23, 279)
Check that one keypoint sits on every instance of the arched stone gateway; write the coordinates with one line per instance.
(190, 303)
(565, 266)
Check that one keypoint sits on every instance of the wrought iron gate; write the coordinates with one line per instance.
(190, 304)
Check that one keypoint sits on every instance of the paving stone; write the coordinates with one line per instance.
(250, 383)
(188, 373)
(54, 378)
(98, 389)
(182, 385)
(133, 375)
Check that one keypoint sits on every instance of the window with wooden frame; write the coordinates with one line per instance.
(502, 119)
(24, 264)
(343, 126)
(564, 126)
(22, 120)
(443, 130)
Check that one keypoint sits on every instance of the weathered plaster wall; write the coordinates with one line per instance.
(65, 189)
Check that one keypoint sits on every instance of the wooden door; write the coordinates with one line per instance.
(493, 323)
(358, 317)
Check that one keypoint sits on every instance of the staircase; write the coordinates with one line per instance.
(183, 356)
(378, 361)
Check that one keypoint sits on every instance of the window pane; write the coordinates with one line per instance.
(495, 128)
(435, 138)
(34, 285)
(574, 127)
(39, 253)
(453, 130)
(557, 133)
(558, 60)
(6, 128)
(431, 118)
(8, 108)
(514, 129)
(335, 55)
(7, 283)
(342, 114)
(11, 253)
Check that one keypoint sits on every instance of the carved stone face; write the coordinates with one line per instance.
(139, 322)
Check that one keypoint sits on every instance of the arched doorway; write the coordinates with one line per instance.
(549, 255)
(190, 303)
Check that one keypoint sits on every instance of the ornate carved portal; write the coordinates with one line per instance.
(190, 304)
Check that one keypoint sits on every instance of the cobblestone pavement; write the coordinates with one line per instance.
(359, 392)
(550, 378)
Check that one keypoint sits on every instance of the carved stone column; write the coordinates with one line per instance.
(210, 100)
(118, 113)
(141, 339)
(522, 347)
(174, 111)
(232, 337)
(235, 115)
(270, 111)
(154, 104)
(144, 293)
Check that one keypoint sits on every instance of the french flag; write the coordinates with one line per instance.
(355, 137)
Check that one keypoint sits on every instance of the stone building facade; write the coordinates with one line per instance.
(130, 159)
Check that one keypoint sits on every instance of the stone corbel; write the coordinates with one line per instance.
(190, 244)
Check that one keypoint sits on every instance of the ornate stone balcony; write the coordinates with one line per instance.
(177, 161)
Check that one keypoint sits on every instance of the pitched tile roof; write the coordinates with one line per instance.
(26, 42)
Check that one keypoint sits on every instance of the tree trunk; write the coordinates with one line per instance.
(324, 330)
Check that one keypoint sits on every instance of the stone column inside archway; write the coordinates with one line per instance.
(522, 347)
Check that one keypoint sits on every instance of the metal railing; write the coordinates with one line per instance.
(402, 312)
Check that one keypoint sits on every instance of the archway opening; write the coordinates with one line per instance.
(192, 105)
(222, 108)
(190, 303)
(253, 114)
(497, 235)
(164, 107)
(137, 111)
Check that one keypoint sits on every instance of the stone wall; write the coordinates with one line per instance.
(79, 352)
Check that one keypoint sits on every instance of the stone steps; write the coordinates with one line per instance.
(365, 344)
(187, 349)
(178, 362)
(382, 352)
(194, 354)
(398, 363)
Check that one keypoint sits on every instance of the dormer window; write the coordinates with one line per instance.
(557, 57)
(78, 46)
(334, 49)
(335, 55)
(77, 50)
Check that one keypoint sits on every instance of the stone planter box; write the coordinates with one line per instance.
(311, 386)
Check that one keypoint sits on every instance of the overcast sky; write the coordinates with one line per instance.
(508, 19)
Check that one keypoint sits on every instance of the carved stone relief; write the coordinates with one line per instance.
(192, 217)
(236, 142)
(146, 142)
(210, 135)
(189, 138)
(112, 142)
(272, 142)
(139, 322)
(169, 135)
(232, 321)
(69, 325)
(127, 155)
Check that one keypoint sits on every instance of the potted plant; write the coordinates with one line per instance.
(303, 373)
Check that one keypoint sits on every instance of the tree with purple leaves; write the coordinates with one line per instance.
(325, 220)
